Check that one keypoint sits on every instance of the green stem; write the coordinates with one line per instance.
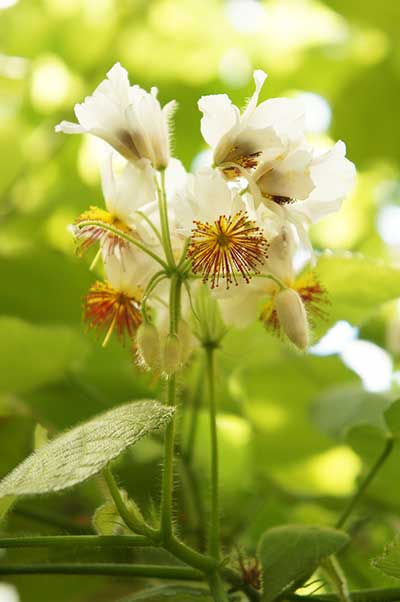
(119, 570)
(168, 466)
(132, 521)
(214, 534)
(364, 484)
(217, 588)
(61, 541)
(163, 210)
(334, 572)
(124, 236)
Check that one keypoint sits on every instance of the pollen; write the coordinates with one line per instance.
(89, 233)
(106, 308)
(229, 247)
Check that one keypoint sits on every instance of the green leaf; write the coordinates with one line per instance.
(389, 562)
(107, 520)
(173, 593)
(339, 410)
(83, 451)
(292, 553)
(35, 355)
(356, 286)
(40, 436)
(5, 505)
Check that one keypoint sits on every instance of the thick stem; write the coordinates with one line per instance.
(168, 467)
(364, 484)
(217, 588)
(75, 541)
(214, 534)
(120, 570)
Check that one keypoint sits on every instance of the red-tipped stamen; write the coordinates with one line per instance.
(229, 246)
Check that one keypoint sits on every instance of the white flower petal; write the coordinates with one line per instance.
(219, 116)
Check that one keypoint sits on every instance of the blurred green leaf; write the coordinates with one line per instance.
(356, 286)
(35, 355)
(292, 553)
(40, 437)
(337, 411)
(174, 593)
(82, 452)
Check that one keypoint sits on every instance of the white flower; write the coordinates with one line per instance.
(278, 297)
(126, 192)
(224, 241)
(310, 187)
(260, 133)
(127, 117)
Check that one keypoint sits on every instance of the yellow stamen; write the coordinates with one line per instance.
(90, 234)
(229, 246)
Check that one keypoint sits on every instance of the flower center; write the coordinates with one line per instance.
(91, 233)
(106, 308)
(228, 247)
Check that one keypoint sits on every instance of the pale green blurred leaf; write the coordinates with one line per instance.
(35, 355)
(338, 410)
(83, 451)
(293, 552)
(356, 286)
(173, 593)
(40, 437)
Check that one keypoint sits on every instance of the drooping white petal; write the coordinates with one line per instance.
(285, 115)
(259, 79)
(219, 116)
(333, 176)
(67, 127)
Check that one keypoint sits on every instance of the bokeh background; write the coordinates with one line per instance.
(284, 452)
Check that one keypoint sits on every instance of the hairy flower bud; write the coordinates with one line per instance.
(148, 345)
(293, 317)
(172, 354)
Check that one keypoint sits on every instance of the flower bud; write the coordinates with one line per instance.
(293, 317)
(148, 345)
(172, 354)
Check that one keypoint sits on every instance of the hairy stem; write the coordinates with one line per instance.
(132, 521)
(67, 541)
(120, 570)
(365, 482)
(168, 466)
(214, 533)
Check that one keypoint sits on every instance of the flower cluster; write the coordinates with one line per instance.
(237, 227)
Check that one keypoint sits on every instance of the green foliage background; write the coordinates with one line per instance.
(280, 460)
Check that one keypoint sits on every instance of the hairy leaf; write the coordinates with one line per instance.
(389, 562)
(83, 451)
(293, 552)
